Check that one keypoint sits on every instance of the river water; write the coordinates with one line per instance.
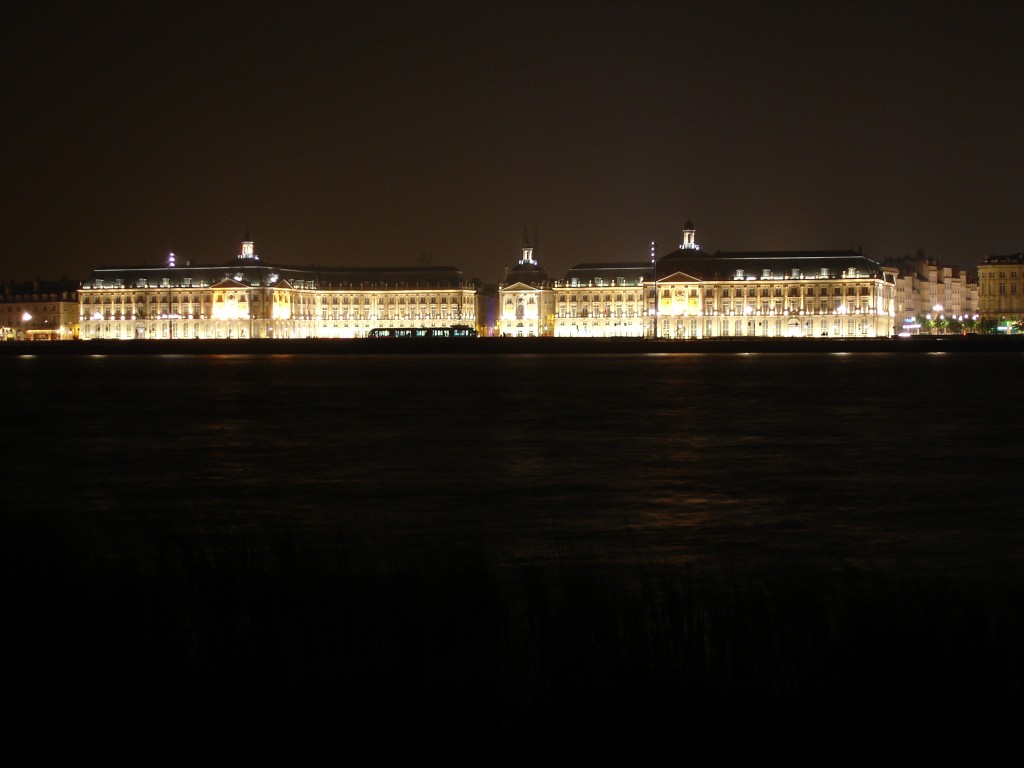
(903, 463)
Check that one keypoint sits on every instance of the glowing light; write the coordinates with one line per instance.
(229, 310)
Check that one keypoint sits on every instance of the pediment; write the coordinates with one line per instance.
(678, 277)
(228, 282)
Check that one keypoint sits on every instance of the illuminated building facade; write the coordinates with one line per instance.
(771, 294)
(526, 299)
(602, 300)
(39, 311)
(686, 294)
(1001, 290)
(691, 294)
(926, 291)
(247, 298)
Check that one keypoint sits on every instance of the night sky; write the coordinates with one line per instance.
(368, 135)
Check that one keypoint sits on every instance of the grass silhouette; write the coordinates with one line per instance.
(213, 651)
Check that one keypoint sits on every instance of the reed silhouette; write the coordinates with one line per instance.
(210, 649)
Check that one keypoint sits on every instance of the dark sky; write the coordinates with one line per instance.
(364, 134)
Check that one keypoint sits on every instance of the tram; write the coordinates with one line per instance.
(447, 332)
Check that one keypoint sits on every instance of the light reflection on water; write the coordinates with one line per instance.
(887, 461)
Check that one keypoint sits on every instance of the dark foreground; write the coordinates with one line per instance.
(733, 344)
(236, 656)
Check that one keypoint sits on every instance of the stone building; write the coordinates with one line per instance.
(249, 298)
(39, 311)
(526, 298)
(927, 291)
(602, 300)
(692, 294)
(1001, 291)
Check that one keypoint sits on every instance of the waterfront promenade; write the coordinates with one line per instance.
(508, 345)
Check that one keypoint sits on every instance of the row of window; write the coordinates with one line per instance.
(391, 300)
(444, 314)
(12, 309)
(24, 298)
(1012, 303)
(833, 326)
(138, 298)
(603, 312)
(764, 308)
(725, 293)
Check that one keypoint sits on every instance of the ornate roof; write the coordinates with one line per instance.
(725, 265)
(610, 273)
(532, 275)
(263, 273)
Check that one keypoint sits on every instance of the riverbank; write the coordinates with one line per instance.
(504, 346)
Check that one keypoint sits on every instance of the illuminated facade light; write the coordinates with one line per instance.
(245, 300)
(686, 294)
(692, 294)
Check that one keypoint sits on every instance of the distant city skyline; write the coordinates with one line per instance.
(370, 135)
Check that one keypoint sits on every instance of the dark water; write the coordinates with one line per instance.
(889, 462)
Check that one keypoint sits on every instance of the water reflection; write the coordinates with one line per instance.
(890, 461)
